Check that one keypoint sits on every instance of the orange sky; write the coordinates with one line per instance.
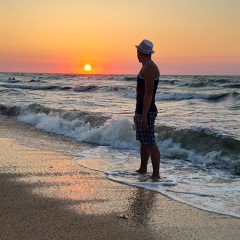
(189, 36)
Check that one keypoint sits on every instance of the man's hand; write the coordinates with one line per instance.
(144, 123)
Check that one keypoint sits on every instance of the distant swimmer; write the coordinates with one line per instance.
(11, 79)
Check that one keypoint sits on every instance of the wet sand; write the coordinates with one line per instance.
(46, 195)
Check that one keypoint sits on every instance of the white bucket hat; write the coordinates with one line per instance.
(145, 47)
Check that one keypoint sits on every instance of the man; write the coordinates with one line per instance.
(146, 110)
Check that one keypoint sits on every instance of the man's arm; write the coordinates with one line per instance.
(149, 75)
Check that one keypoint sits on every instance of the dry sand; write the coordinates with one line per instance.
(45, 195)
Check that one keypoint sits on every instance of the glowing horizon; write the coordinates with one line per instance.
(190, 37)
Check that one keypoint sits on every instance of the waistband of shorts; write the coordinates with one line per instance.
(149, 113)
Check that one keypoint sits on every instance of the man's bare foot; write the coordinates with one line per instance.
(141, 171)
(155, 178)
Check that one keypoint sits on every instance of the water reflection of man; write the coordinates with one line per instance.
(141, 204)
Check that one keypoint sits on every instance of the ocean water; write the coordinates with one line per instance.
(197, 129)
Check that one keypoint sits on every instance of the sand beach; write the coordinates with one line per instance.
(46, 195)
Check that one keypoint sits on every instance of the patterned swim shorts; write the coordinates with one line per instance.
(146, 137)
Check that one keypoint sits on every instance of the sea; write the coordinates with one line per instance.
(197, 130)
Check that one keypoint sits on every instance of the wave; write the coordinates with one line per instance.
(130, 78)
(169, 96)
(202, 146)
(186, 96)
(85, 88)
(231, 85)
(65, 88)
(9, 81)
(126, 92)
(40, 78)
(201, 81)
(10, 110)
(28, 87)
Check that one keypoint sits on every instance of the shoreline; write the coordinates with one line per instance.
(46, 195)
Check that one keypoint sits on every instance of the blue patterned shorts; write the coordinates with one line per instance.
(146, 137)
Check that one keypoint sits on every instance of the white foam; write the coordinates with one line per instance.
(55, 124)
(138, 180)
(116, 132)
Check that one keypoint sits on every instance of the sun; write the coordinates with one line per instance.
(87, 68)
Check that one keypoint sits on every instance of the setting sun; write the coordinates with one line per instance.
(87, 67)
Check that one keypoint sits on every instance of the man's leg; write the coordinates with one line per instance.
(145, 153)
(155, 157)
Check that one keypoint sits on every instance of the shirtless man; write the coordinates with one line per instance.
(146, 110)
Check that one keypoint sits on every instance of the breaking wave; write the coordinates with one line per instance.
(198, 145)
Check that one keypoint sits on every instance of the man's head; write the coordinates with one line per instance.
(145, 47)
